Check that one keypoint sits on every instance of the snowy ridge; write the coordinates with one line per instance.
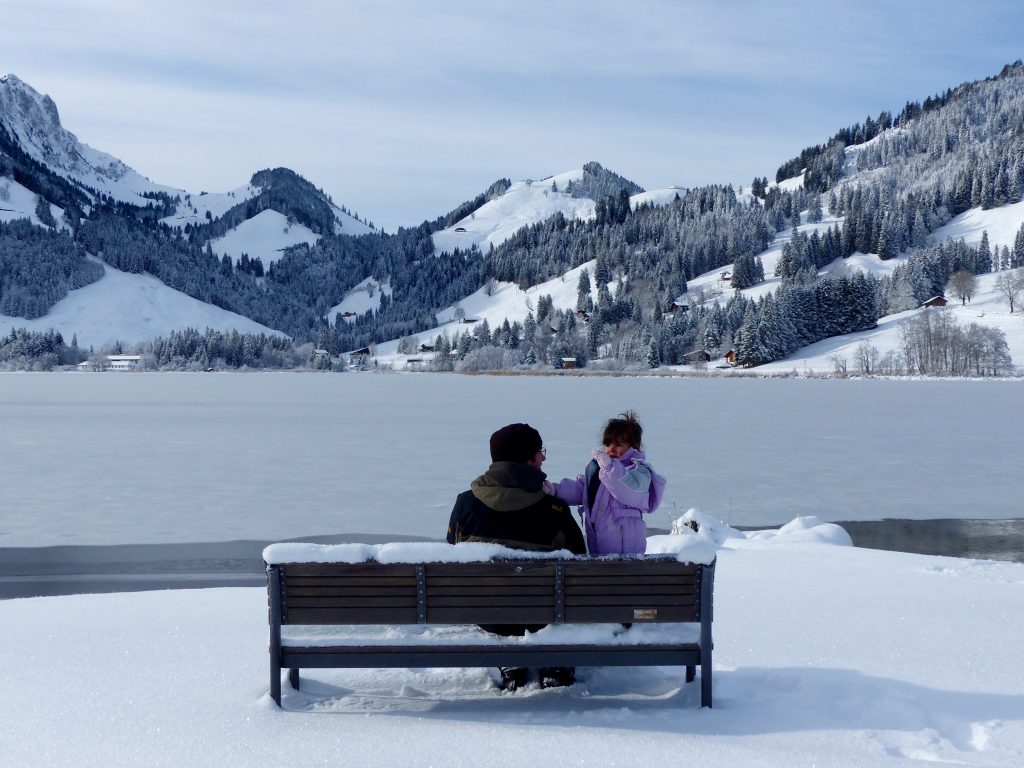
(524, 203)
(530, 202)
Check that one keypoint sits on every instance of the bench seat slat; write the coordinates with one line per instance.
(344, 601)
(371, 571)
(524, 569)
(495, 591)
(638, 600)
(455, 601)
(346, 582)
(291, 591)
(350, 616)
(605, 580)
(682, 593)
(389, 657)
(643, 567)
(493, 581)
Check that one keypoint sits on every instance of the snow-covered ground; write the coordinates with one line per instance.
(121, 458)
(130, 308)
(17, 202)
(263, 237)
(530, 202)
(199, 208)
(360, 299)
(495, 304)
(825, 655)
(524, 203)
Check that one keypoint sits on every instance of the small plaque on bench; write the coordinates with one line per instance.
(645, 614)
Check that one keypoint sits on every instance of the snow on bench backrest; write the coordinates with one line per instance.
(684, 548)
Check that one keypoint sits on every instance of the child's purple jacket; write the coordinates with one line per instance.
(629, 487)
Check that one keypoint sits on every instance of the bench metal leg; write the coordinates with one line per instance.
(705, 678)
(293, 678)
(275, 682)
(691, 672)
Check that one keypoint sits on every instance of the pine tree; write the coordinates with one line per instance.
(583, 289)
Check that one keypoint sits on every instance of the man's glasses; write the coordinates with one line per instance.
(543, 451)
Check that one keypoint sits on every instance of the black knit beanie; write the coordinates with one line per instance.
(516, 442)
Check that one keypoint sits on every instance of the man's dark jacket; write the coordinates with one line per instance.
(507, 505)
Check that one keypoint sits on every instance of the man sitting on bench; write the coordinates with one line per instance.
(507, 505)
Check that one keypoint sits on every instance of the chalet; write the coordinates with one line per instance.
(470, 320)
(697, 356)
(730, 357)
(122, 362)
(935, 301)
(460, 229)
(426, 348)
(361, 352)
(674, 307)
(346, 313)
(567, 363)
(727, 275)
(583, 315)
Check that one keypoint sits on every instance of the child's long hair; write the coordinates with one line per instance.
(625, 428)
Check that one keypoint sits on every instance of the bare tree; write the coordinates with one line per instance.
(866, 356)
(1010, 284)
(963, 284)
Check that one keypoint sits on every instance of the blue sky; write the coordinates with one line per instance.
(403, 110)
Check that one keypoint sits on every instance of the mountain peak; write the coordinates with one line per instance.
(32, 121)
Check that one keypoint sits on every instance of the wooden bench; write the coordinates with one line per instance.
(632, 589)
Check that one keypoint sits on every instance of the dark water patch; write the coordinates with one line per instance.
(976, 539)
(82, 569)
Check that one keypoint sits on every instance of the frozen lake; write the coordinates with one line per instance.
(110, 459)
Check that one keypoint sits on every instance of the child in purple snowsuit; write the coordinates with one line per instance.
(617, 487)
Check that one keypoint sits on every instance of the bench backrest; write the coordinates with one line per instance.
(598, 590)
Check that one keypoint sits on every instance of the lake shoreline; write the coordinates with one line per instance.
(85, 569)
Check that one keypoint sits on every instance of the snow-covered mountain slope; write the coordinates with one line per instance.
(34, 123)
(988, 308)
(657, 196)
(16, 202)
(530, 202)
(267, 234)
(264, 236)
(130, 308)
(495, 304)
(524, 203)
(362, 298)
(201, 208)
